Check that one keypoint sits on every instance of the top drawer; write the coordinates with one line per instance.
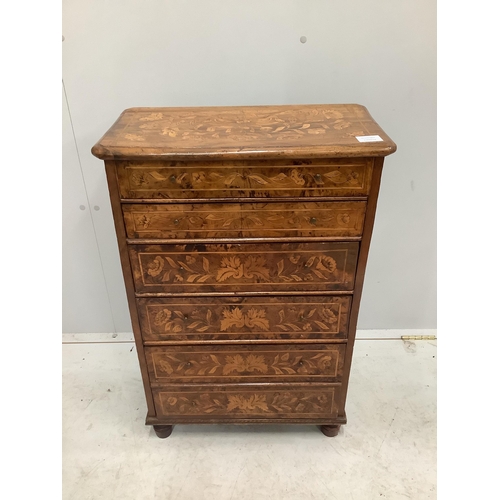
(244, 179)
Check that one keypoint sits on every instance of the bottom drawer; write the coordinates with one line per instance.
(233, 402)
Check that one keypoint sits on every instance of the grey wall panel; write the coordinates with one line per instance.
(85, 299)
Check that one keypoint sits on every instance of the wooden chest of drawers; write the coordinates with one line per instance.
(243, 234)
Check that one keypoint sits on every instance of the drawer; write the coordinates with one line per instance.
(246, 401)
(233, 319)
(257, 179)
(217, 220)
(303, 363)
(243, 267)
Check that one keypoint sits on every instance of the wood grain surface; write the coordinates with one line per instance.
(232, 364)
(253, 179)
(244, 220)
(244, 318)
(244, 267)
(245, 401)
(243, 235)
(300, 131)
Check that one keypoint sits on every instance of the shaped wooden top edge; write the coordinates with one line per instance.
(243, 132)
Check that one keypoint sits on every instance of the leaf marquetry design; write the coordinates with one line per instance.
(197, 268)
(234, 363)
(295, 402)
(226, 319)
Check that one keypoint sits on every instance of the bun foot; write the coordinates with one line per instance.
(330, 430)
(163, 431)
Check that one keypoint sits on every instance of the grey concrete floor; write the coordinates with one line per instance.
(386, 450)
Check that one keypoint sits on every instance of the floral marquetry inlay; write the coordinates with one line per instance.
(169, 363)
(245, 129)
(261, 179)
(177, 221)
(291, 177)
(198, 269)
(259, 403)
(243, 235)
(207, 319)
(298, 264)
(237, 318)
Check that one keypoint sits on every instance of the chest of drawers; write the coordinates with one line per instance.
(243, 235)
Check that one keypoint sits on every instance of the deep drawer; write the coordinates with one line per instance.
(216, 220)
(278, 363)
(246, 401)
(257, 179)
(233, 319)
(244, 267)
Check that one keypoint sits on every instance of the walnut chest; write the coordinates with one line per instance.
(243, 235)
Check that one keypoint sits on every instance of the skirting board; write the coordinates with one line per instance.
(124, 337)
(394, 334)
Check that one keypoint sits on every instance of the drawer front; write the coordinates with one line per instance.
(181, 180)
(243, 267)
(246, 401)
(243, 318)
(216, 220)
(246, 363)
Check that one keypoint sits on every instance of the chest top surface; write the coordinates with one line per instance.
(244, 132)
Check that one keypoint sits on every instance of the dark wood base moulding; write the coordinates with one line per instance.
(321, 422)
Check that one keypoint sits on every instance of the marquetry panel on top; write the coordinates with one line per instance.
(251, 179)
(293, 131)
(302, 363)
(233, 319)
(215, 220)
(244, 267)
(232, 401)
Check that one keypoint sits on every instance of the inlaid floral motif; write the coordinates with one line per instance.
(144, 221)
(237, 221)
(247, 364)
(198, 269)
(323, 267)
(299, 364)
(242, 179)
(240, 319)
(152, 117)
(156, 267)
(205, 266)
(235, 317)
(176, 321)
(134, 137)
(246, 125)
(261, 363)
(251, 267)
(139, 178)
(344, 218)
(249, 403)
(245, 319)
(323, 317)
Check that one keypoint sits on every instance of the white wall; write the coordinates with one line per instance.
(123, 53)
